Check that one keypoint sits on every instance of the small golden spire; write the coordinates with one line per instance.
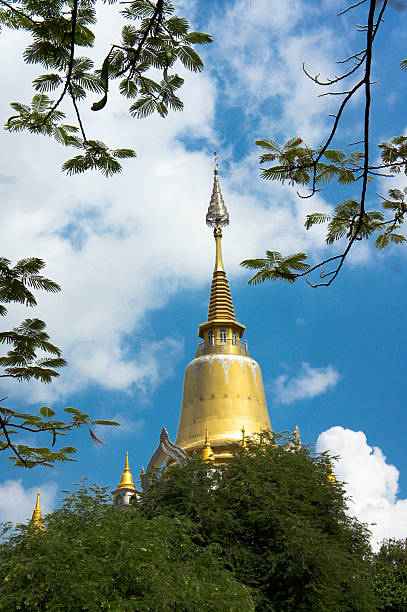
(220, 309)
(126, 481)
(331, 478)
(36, 519)
(207, 452)
(243, 437)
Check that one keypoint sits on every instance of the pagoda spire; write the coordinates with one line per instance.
(220, 299)
(126, 481)
(223, 387)
(207, 452)
(331, 478)
(36, 519)
(243, 437)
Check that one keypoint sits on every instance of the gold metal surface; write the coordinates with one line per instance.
(207, 452)
(36, 519)
(217, 232)
(221, 392)
(223, 396)
(126, 481)
(331, 478)
(243, 437)
(220, 312)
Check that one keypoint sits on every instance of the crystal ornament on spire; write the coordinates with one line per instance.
(217, 215)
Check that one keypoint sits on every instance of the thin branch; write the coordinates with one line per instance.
(10, 444)
(354, 56)
(78, 116)
(333, 93)
(352, 6)
(336, 79)
(330, 137)
(20, 13)
(74, 14)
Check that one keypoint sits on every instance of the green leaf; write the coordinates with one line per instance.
(101, 422)
(198, 38)
(335, 155)
(397, 238)
(316, 218)
(382, 241)
(47, 412)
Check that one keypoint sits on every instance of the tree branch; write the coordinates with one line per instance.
(74, 14)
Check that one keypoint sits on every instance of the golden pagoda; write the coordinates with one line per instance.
(223, 397)
(223, 387)
(36, 519)
(126, 488)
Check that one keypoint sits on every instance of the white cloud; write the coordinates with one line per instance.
(262, 46)
(123, 247)
(17, 503)
(128, 426)
(308, 383)
(369, 480)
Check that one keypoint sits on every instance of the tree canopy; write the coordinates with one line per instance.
(390, 575)
(281, 524)
(94, 557)
(267, 531)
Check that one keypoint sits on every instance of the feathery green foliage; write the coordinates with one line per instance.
(153, 41)
(275, 266)
(93, 557)
(281, 525)
(299, 164)
(32, 356)
(390, 575)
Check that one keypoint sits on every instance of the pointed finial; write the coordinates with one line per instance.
(243, 437)
(296, 436)
(217, 215)
(331, 478)
(207, 452)
(36, 519)
(126, 481)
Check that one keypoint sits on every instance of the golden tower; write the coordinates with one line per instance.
(223, 387)
(126, 480)
(36, 519)
(126, 489)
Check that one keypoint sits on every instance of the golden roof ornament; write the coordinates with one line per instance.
(217, 215)
(331, 478)
(297, 436)
(207, 452)
(243, 437)
(126, 481)
(36, 519)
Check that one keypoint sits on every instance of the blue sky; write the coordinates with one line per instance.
(134, 257)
